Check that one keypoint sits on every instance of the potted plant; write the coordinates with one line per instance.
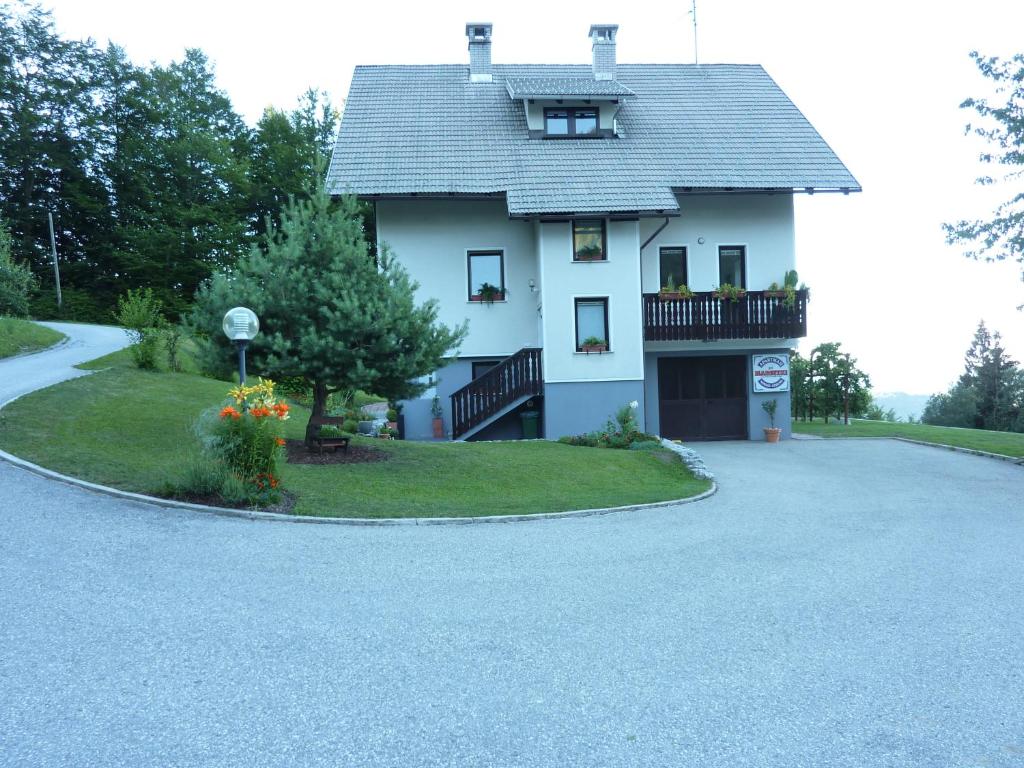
(590, 253)
(392, 417)
(593, 344)
(727, 292)
(786, 291)
(771, 434)
(488, 294)
(669, 291)
(438, 414)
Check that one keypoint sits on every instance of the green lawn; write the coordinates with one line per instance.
(131, 429)
(1006, 443)
(20, 336)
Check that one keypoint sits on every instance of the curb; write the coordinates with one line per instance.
(249, 514)
(958, 449)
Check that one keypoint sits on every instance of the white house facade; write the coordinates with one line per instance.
(610, 233)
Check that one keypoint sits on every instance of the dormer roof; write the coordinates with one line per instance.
(565, 88)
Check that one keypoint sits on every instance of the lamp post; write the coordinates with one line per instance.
(241, 326)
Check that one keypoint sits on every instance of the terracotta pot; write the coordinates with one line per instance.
(670, 296)
(438, 428)
(588, 348)
(496, 297)
(771, 434)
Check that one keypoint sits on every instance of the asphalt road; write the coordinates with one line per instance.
(854, 603)
(27, 373)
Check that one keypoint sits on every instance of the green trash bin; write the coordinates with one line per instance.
(530, 420)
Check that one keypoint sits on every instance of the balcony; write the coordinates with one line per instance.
(757, 315)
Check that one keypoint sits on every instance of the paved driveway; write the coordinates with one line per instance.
(851, 603)
(28, 373)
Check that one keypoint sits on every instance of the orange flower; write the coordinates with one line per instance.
(279, 441)
(281, 409)
(260, 412)
(229, 411)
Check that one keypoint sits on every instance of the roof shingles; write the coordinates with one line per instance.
(427, 130)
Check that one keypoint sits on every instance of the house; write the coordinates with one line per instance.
(549, 204)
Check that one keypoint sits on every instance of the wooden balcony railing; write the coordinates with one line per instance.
(516, 376)
(706, 318)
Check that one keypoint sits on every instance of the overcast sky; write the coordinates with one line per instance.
(881, 81)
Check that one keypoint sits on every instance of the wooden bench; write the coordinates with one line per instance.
(331, 441)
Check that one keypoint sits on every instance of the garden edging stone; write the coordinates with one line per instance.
(249, 514)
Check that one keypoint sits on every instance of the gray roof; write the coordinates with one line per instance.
(428, 130)
(553, 87)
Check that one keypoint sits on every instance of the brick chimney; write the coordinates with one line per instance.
(602, 44)
(479, 35)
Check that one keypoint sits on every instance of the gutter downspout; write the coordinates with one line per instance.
(654, 234)
(645, 244)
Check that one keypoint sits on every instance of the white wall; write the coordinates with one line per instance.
(431, 237)
(763, 223)
(618, 278)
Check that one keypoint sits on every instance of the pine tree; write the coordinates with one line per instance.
(989, 393)
(329, 311)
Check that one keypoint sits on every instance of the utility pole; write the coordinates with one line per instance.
(56, 267)
(846, 392)
(693, 13)
(810, 386)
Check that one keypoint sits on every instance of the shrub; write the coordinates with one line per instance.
(200, 478)
(244, 438)
(350, 425)
(647, 445)
(172, 337)
(620, 432)
(16, 280)
(141, 316)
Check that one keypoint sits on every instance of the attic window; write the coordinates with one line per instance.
(564, 123)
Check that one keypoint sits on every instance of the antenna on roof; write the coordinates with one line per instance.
(693, 13)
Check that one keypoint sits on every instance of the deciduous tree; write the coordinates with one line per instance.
(1001, 123)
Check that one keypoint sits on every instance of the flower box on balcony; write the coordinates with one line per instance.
(488, 298)
(729, 293)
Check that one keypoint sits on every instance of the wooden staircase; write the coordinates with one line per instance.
(516, 378)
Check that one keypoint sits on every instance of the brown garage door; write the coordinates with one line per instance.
(703, 398)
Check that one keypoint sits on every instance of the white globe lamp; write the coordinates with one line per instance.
(241, 326)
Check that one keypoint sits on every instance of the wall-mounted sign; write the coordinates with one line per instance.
(771, 372)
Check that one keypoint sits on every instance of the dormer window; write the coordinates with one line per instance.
(569, 122)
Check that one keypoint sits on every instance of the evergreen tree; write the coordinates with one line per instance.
(995, 379)
(329, 311)
(989, 393)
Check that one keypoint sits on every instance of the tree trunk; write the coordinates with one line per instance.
(319, 407)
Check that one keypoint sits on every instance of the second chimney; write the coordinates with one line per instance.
(602, 44)
(479, 35)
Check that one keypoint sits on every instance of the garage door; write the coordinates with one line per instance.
(703, 398)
